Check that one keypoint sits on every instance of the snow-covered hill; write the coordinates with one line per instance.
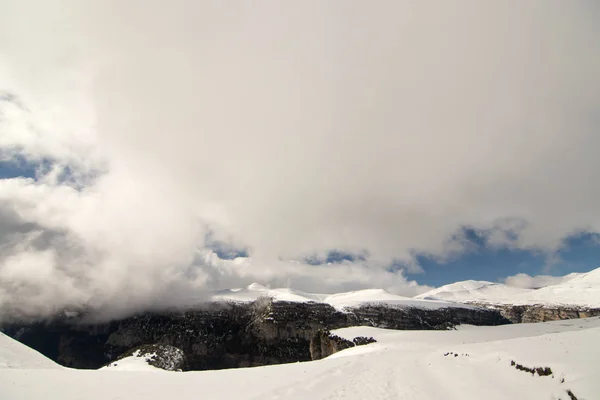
(254, 291)
(474, 291)
(16, 355)
(577, 289)
(581, 290)
(339, 301)
(468, 363)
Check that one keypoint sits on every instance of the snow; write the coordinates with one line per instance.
(16, 355)
(474, 291)
(467, 363)
(135, 362)
(254, 291)
(379, 296)
(577, 289)
(402, 365)
(340, 301)
(581, 290)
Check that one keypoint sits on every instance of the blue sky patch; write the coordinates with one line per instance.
(581, 253)
(19, 167)
(336, 256)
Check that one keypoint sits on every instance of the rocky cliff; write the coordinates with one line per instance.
(540, 313)
(324, 344)
(228, 335)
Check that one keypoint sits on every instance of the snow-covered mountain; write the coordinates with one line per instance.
(340, 301)
(496, 362)
(473, 291)
(582, 290)
(231, 334)
(577, 289)
(255, 325)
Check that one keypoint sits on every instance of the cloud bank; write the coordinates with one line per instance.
(288, 130)
(526, 281)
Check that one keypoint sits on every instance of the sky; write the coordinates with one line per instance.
(331, 145)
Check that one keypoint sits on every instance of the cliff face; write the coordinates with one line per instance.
(324, 344)
(424, 319)
(229, 335)
(537, 313)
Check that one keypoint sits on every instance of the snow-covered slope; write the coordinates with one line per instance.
(474, 291)
(255, 290)
(466, 364)
(582, 289)
(339, 301)
(578, 290)
(16, 355)
(380, 296)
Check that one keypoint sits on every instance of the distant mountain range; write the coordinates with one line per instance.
(255, 325)
(578, 289)
(339, 301)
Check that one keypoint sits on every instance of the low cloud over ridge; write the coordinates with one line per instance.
(526, 281)
(290, 129)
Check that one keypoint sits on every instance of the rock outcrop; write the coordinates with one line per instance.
(230, 335)
(161, 356)
(540, 313)
(422, 318)
(324, 344)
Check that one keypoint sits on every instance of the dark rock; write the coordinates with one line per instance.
(540, 371)
(361, 340)
(423, 319)
(324, 344)
(539, 313)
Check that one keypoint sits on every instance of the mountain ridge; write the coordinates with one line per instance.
(576, 290)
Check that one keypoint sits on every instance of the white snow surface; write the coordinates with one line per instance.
(339, 301)
(578, 290)
(474, 291)
(380, 296)
(255, 291)
(16, 355)
(401, 365)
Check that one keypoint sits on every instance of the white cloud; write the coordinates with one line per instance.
(295, 128)
(535, 282)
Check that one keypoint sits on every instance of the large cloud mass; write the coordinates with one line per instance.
(288, 129)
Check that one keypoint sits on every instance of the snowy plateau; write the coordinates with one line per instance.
(544, 360)
(466, 363)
